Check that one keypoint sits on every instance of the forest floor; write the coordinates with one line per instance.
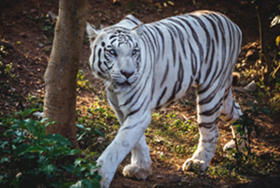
(26, 32)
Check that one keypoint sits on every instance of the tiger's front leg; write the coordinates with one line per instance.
(140, 166)
(128, 136)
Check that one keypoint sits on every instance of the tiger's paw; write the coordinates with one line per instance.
(190, 162)
(231, 145)
(201, 158)
(134, 171)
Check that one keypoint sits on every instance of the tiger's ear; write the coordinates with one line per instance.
(91, 31)
(139, 29)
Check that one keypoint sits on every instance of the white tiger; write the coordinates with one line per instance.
(149, 66)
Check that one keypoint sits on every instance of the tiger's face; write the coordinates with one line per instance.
(115, 55)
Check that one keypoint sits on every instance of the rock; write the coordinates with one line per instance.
(252, 86)
(240, 89)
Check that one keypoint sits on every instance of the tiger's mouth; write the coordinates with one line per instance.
(124, 84)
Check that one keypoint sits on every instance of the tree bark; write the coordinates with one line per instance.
(264, 55)
(61, 74)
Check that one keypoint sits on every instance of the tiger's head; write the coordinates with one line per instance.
(115, 55)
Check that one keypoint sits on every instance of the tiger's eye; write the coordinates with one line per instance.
(133, 52)
(112, 52)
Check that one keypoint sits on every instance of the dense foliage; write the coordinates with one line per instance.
(30, 158)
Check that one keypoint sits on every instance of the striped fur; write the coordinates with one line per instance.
(146, 67)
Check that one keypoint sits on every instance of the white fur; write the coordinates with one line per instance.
(164, 58)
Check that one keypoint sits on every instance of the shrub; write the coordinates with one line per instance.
(30, 158)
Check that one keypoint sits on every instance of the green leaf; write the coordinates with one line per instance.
(3, 144)
(99, 132)
(78, 184)
(265, 110)
(15, 182)
(69, 167)
(86, 183)
(21, 149)
(80, 137)
(95, 183)
(57, 138)
(78, 161)
(4, 160)
(251, 104)
(80, 126)
(27, 112)
(39, 149)
(48, 169)
(229, 149)
(43, 120)
(50, 123)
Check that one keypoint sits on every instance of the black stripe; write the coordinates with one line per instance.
(132, 126)
(165, 73)
(140, 94)
(137, 110)
(113, 41)
(181, 37)
(99, 61)
(161, 96)
(94, 52)
(133, 21)
(193, 60)
(207, 34)
(173, 46)
(153, 48)
(214, 27)
(196, 39)
(154, 41)
(158, 46)
(178, 83)
(179, 22)
(169, 26)
(210, 96)
(112, 36)
(208, 125)
(214, 109)
(162, 38)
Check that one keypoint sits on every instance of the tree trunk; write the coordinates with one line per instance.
(61, 74)
(264, 55)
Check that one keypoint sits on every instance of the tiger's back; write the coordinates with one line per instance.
(195, 51)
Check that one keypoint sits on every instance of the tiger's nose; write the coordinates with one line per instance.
(127, 74)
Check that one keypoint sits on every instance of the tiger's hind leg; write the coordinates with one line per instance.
(231, 111)
(140, 166)
(209, 106)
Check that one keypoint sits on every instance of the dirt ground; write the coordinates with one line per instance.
(25, 31)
